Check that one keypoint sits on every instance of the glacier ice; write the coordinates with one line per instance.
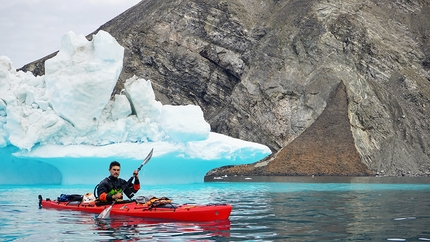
(89, 70)
(65, 128)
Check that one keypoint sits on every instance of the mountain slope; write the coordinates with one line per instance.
(264, 71)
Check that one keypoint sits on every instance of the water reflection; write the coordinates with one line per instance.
(322, 179)
(328, 216)
(293, 211)
(134, 229)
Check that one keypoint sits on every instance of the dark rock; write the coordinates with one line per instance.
(263, 71)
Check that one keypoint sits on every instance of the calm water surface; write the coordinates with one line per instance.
(299, 209)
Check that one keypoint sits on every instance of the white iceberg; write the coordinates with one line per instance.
(66, 123)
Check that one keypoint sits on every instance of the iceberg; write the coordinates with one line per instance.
(65, 127)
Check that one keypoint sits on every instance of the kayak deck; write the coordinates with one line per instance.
(181, 212)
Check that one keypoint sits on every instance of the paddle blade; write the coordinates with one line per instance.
(148, 157)
(105, 213)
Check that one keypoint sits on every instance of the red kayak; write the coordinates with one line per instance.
(182, 212)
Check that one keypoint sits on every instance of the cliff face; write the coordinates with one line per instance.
(265, 71)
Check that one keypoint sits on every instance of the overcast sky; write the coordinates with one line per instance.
(32, 29)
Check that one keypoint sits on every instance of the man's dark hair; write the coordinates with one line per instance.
(114, 163)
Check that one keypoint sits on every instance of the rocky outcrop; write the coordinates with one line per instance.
(264, 71)
(329, 139)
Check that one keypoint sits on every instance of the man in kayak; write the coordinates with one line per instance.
(112, 187)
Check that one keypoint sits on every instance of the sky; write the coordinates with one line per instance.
(32, 29)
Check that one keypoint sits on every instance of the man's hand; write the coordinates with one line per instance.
(136, 174)
(117, 196)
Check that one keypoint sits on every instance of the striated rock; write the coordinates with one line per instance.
(325, 148)
(264, 71)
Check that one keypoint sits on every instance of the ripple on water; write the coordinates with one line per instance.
(261, 212)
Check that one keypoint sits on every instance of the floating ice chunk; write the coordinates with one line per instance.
(184, 123)
(27, 126)
(79, 80)
(5, 69)
(67, 118)
(142, 99)
(121, 107)
(107, 48)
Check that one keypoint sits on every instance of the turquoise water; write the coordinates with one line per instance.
(294, 209)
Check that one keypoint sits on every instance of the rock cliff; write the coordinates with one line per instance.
(332, 87)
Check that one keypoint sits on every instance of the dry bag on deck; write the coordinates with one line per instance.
(155, 202)
(69, 198)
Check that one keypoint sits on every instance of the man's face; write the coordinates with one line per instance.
(114, 171)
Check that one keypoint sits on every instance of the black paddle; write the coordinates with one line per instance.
(105, 213)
